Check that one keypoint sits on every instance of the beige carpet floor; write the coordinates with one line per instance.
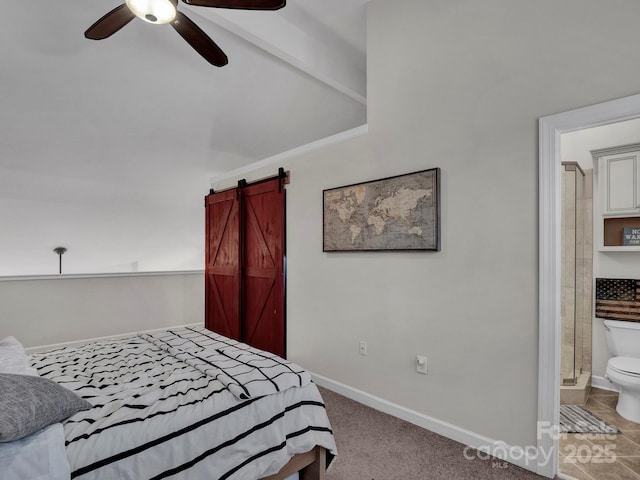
(375, 446)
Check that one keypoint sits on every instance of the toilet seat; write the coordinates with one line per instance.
(625, 366)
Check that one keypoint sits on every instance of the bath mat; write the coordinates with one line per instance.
(575, 419)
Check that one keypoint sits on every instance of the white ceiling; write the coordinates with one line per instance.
(107, 147)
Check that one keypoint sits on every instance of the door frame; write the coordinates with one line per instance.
(549, 300)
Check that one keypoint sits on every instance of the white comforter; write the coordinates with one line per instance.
(158, 416)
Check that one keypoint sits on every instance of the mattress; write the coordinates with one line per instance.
(185, 404)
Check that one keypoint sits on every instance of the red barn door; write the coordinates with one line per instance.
(223, 278)
(263, 254)
(245, 277)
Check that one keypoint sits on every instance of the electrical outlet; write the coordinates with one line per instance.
(421, 364)
(363, 347)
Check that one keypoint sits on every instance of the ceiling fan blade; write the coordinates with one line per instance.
(110, 23)
(242, 4)
(199, 40)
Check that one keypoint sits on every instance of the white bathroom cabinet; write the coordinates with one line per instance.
(618, 172)
(618, 183)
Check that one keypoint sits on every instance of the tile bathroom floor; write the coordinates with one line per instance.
(600, 456)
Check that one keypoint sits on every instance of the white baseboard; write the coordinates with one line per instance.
(525, 457)
(603, 383)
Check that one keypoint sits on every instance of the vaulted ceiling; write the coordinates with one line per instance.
(107, 147)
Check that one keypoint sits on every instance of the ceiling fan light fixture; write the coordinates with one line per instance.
(166, 11)
(154, 11)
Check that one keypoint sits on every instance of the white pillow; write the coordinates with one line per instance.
(40, 456)
(13, 359)
(11, 342)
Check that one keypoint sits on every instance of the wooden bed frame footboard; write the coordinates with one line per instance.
(312, 465)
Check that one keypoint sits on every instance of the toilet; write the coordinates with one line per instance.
(623, 339)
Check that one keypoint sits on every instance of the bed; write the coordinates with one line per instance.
(182, 404)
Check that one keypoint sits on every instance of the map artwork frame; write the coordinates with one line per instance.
(393, 213)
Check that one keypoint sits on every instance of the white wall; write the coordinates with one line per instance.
(44, 311)
(457, 85)
(577, 147)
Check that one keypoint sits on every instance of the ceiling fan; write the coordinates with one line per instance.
(165, 11)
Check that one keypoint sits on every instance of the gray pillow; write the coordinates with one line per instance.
(29, 403)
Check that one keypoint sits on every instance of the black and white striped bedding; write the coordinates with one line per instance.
(246, 371)
(185, 404)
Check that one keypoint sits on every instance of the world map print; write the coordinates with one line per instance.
(397, 213)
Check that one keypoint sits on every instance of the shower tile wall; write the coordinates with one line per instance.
(577, 271)
(569, 205)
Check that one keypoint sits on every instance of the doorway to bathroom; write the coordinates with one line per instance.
(551, 130)
(584, 390)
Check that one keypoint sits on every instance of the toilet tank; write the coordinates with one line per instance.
(623, 338)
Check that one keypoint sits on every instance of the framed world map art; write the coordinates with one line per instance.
(395, 213)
